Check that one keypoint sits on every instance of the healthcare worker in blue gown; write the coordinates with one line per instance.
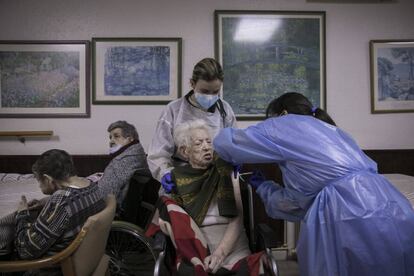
(354, 221)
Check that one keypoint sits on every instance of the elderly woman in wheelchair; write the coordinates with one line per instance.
(204, 216)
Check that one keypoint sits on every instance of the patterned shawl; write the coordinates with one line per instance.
(197, 187)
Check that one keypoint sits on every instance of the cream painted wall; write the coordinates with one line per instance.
(349, 28)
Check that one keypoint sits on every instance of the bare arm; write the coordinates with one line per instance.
(234, 228)
(214, 261)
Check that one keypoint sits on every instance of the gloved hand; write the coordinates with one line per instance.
(256, 179)
(167, 183)
(236, 169)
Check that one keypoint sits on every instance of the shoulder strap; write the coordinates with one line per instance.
(222, 111)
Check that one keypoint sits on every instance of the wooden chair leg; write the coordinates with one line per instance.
(67, 267)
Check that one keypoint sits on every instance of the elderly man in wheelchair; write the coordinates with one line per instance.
(204, 215)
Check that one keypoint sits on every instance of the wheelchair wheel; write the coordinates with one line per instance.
(129, 250)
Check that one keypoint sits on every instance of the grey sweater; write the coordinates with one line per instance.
(117, 174)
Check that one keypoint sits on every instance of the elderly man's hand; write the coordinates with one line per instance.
(22, 204)
(34, 204)
(167, 183)
(95, 177)
(37, 204)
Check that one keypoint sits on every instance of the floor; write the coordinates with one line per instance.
(288, 268)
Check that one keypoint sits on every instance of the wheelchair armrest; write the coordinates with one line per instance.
(141, 178)
(148, 206)
(266, 237)
(160, 242)
(163, 245)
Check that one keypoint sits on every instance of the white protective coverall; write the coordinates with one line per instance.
(162, 149)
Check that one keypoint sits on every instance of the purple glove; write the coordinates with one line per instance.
(167, 183)
(236, 169)
(256, 179)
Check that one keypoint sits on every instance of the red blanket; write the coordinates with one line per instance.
(191, 248)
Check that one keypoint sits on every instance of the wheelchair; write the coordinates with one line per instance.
(261, 237)
(132, 253)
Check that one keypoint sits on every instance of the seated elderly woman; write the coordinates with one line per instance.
(72, 200)
(209, 212)
(127, 156)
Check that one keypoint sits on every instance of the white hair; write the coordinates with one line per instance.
(182, 133)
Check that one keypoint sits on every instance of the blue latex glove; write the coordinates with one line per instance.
(236, 170)
(256, 179)
(167, 183)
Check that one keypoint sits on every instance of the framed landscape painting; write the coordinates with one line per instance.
(267, 53)
(136, 70)
(41, 79)
(392, 76)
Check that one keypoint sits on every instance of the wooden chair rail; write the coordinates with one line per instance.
(44, 133)
(24, 265)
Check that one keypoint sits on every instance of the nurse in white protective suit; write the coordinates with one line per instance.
(202, 102)
(355, 223)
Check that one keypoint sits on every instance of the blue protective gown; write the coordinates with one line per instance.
(354, 221)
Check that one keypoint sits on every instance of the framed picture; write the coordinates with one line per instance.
(267, 53)
(392, 76)
(41, 79)
(136, 70)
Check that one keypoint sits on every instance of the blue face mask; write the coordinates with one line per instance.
(114, 148)
(206, 101)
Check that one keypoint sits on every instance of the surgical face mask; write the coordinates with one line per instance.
(114, 148)
(206, 101)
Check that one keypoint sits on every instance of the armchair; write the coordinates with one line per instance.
(84, 256)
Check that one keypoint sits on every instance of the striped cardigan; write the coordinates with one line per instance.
(59, 221)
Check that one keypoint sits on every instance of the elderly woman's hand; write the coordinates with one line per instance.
(213, 262)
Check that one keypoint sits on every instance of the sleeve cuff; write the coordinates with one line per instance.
(22, 214)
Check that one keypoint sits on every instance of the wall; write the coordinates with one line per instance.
(349, 27)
